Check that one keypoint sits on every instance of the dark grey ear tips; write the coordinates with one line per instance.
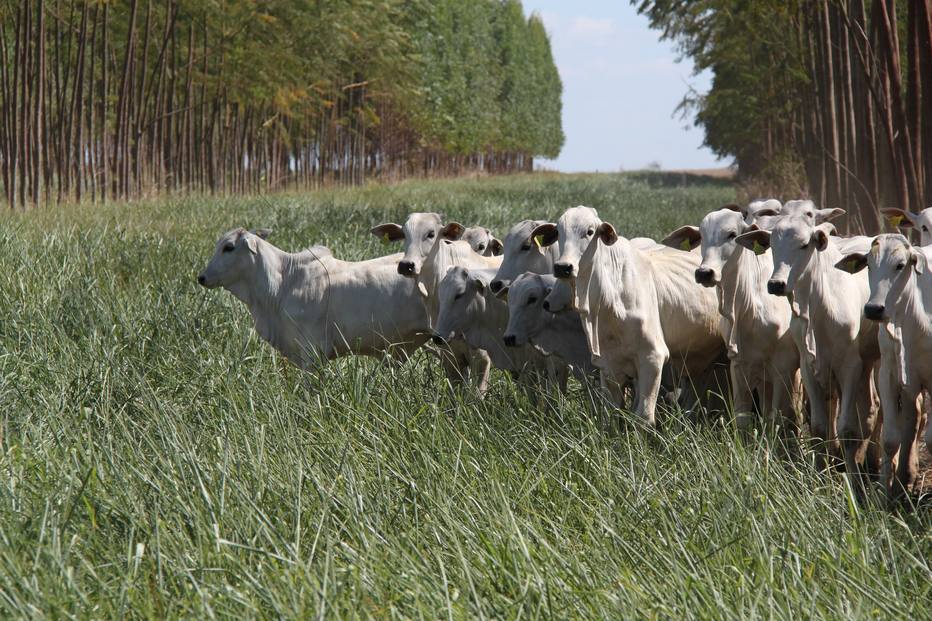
(262, 233)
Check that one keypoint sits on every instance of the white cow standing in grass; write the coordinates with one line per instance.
(901, 301)
(639, 308)
(426, 260)
(837, 346)
(311, 306)
(756, 325)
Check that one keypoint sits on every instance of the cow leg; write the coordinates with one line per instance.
(855, 422)
(742, 397)
(907, 431)
(818, 414)
(480, 365)
(888, 387)
(650, 367)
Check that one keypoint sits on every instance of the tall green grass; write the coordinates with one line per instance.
(157, 461)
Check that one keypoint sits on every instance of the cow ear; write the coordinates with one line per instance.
(824, 215)
(820, 236)
(496, 247)
(684, 238)
(453, 230)
(920, 261)
(544, 235)
(852, 263)
(755, 240)
(388, 232)
(251, 242)
(898, 217)
(261, 233)
(607, 234)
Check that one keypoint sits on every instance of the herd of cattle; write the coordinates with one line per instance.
(769, 293)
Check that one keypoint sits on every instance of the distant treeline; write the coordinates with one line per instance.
(119, 98)
(834, 93)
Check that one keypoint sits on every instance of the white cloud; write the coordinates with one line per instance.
(592, 27)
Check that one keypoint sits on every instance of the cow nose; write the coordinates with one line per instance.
(776, 287)
(438, 340)
(704, 275)
(546, 305)
(406, 268)
(874, 311)
(510, 340)
(562, 270)
(200, 279)
(496, 286)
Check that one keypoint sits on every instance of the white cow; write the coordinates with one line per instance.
(756, 325)
(921, 221)
(470, 311)
(311, 306)
(837, 346)
(428, 254)
(482, 241)
(557, 334)
(901, 301)
(639, 308)
(805, 208)
(522, 253)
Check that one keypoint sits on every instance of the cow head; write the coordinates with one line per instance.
(806, 209)
(526, 313)
(524, 251)
(793, 242)
(921, 221)
(462, 298)
(482, 241)
(890, 264)
(420, 232)
(717, 234)
(576, 228)
(234, 258)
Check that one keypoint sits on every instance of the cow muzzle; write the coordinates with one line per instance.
(776, 287)
(705, 276)
(563, 270)
(874, 312)
(496, 286)
(438, 339)
(406, 268)
(510, 340)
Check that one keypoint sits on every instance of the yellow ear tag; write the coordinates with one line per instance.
(758, 249)
(685, 245)
(895, 220)
(852, 265)
(539, 240)
(385, 239)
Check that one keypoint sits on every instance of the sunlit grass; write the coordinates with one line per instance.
(157, 462)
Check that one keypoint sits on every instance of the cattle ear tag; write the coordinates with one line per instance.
(895, 220)
(539, 240)
(852, 265)
(685, 245)
(385, 239)
(758, 249)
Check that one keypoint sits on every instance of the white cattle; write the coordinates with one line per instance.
(837, 346)
(469, 310)
(921, 222)
(639, 308)
(756, 325)
(556, 334)
(805, 208)
(901, 301)
(429, 252)
(757, 208)
(522, 253)
(311, 306)
(482, 241)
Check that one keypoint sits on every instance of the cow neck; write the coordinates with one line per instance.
(812, 292)
(910, 312)
(743, 283)
(486, 326)
(566, 328)
(432, 272)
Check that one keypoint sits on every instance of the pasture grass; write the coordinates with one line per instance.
(157, 461)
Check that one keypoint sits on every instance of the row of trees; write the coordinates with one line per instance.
(836, 93)
(118, 98)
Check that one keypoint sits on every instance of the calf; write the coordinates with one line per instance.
(837, 346)
(755, 326)
(311, 306)
(901, 302)
(639, 307)
(522, 253)
(558, 334)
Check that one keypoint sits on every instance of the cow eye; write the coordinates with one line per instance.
(900, 266)
(590, 232)
(804, 246)
(457, 296)
(481, 247)
(925, 229)
(525, 247)
(229, 247)
(531, 300)
(732, 235)
(431, 234)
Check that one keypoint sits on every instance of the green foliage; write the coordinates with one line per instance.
(156, 461)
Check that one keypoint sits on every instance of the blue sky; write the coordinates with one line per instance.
(621, 86)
